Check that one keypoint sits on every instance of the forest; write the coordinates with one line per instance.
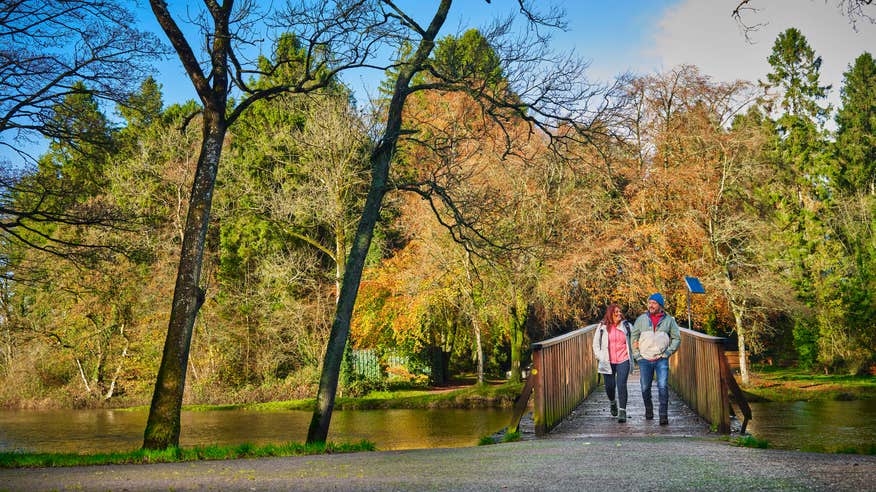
(503, 217)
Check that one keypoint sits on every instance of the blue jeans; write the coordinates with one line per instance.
(618, 380)
(646, 376)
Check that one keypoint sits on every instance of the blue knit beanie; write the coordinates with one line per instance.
(656, 297)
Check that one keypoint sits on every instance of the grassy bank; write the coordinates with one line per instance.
(475, 396)
(791, 384)
(172, 455)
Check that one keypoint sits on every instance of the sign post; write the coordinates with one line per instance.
(693, 287)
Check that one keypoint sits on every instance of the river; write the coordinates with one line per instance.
(115, 430)
(810, 426)
(824, 426)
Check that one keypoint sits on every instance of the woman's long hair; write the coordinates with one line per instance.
(608, 319)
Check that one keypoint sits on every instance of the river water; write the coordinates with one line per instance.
(810, 426)
(825, 426)
(114, 430)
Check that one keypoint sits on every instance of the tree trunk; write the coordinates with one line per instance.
(740, 333)
(516, 351)
(475, 323)
(340, 257)
(519, 312)
(381, 158)
(82, 375)
(438, 365)
(112, 385)
(479, 348)
(163, 424)
(334, 353)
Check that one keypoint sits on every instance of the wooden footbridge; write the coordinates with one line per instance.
(563, 379)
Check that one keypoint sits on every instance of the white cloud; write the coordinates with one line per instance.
(703, 33)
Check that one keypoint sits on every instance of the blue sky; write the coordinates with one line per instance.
(608, 34)
(640, 36)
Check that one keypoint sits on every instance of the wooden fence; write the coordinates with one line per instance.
(564, 373)
(701, 376)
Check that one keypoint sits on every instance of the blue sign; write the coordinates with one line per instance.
(694, 286)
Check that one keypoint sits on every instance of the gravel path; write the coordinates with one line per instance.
(645, 463)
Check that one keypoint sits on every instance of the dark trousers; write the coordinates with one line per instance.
(618, 379)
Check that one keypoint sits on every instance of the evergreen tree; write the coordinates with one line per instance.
(800, 192)
(796, 72)
(856, 128)
(853, 217)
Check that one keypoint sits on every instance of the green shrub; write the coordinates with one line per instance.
(750, 442)
(486, 441)
(511, 436)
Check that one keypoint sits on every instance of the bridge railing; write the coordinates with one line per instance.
(700, 375)
(564, 373)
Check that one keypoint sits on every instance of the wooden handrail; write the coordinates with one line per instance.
(564, 373)
(700, 375)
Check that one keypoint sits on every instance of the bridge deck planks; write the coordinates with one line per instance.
(592, 417)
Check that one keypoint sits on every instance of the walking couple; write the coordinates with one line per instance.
(650, 341)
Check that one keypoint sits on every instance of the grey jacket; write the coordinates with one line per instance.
(655, 342)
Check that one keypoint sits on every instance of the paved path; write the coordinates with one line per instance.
(655, 463)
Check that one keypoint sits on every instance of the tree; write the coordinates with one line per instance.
(348, 41)
(53, 50)
(542, 104)
(855, 10)
(55, 55)
(856, 128)
(87, 323)
(851, 219)
(288, 200)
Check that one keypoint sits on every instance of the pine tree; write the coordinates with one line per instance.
(800, 192)
(856, 128)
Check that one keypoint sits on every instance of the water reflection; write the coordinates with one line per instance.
(109, 430)
(815, 426)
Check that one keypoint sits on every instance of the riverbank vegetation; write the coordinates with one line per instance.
(175, 455)
(495, 232)
(749, 441)
(793, 384)
(474, 396)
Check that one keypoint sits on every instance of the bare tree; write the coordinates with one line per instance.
(545, 92)
(346, 36)
(855, 10)
(52, 51)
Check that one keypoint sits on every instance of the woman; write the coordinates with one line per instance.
(611, 344)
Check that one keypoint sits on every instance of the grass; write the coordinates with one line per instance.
(818, 448)
(507, 437)
(172, 455)
(750, 442)
(511, 437)
(791, 384)
(474, 396)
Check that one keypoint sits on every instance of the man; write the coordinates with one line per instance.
(655, 338)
